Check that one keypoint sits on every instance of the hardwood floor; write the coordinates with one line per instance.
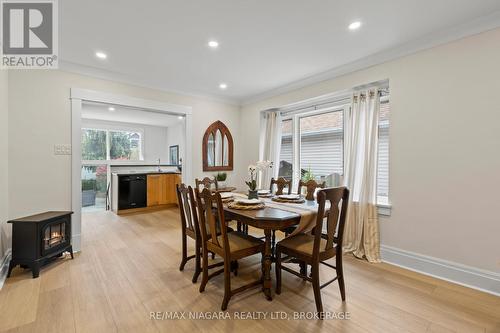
(126, 270)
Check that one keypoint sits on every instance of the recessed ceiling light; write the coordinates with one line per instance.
(213, 44)
(355, 25)
(111, 109)
(180, 117)
(101, 55)
(223, 86)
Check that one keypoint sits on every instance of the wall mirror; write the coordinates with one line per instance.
(217, 148)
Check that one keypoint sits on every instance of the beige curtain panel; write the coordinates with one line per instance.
(270, 144)
(361, 235)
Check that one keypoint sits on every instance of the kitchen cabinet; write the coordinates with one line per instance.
(154, 190)
(161, 189)
(143, 191)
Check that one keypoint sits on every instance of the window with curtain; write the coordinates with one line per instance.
(316, 149)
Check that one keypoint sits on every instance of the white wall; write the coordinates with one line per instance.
(4, 190)
(175, 135)
(445, 148)
(39, 117)
(155, 138)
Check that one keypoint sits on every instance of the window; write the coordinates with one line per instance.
(103, 144)
(125, 145)
(94, 144)
(312, 146)
(383, 151)
(322, 146)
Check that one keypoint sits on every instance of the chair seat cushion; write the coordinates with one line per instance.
(239, 241)
(301, 243)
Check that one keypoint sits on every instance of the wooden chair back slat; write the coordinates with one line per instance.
(206, 183)
(311, 187)
(338, 198)
(187, 207)
(280, 183)
(212, 215)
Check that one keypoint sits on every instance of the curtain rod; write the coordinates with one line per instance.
(336, 98)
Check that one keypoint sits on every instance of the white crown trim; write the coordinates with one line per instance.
(484, 23)
(143, 83)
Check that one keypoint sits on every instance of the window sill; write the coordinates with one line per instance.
(384, 206)
(384, 210)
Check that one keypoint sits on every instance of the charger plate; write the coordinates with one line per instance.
(296, 201)
(236, 205)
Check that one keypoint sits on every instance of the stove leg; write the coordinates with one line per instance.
(36, 270)
(71, 252)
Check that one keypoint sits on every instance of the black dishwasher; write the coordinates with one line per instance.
(132, 191)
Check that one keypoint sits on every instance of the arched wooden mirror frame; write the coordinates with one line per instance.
(212, 129)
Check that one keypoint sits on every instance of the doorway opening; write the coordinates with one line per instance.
(114, 134)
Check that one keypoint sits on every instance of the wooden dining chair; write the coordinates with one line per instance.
(314, 249)
(311, 187)
(206, 183)
(190, 228)
(230, 246)
(281, 183)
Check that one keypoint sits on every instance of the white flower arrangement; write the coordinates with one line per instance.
(252, 170)
(263, 165)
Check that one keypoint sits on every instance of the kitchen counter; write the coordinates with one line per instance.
(128, 173)
(133, 191)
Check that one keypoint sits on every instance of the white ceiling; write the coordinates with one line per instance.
(264, 44)
(100, 111)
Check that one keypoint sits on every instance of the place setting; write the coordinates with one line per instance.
(264, 194)
(226, 197)
(289, 198)
(246, 204)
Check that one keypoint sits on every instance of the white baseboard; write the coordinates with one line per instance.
(467, 276)
(4, 266)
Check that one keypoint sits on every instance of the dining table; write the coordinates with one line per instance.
(274, 216)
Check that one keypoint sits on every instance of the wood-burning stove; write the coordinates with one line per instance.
(39, 238)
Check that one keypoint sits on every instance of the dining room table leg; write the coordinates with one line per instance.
(267, 285)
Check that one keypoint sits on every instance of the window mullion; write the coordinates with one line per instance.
(108, 146)
(296, 151)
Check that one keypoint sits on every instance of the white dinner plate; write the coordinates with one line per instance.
(248, 201)
(263, 192)
(226, 195)
(289, 196)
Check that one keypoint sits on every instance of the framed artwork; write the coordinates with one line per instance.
(174, 155)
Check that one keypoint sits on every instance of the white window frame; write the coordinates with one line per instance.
(296, 138)
(383, 203)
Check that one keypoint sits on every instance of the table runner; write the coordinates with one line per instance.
(307, 213)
